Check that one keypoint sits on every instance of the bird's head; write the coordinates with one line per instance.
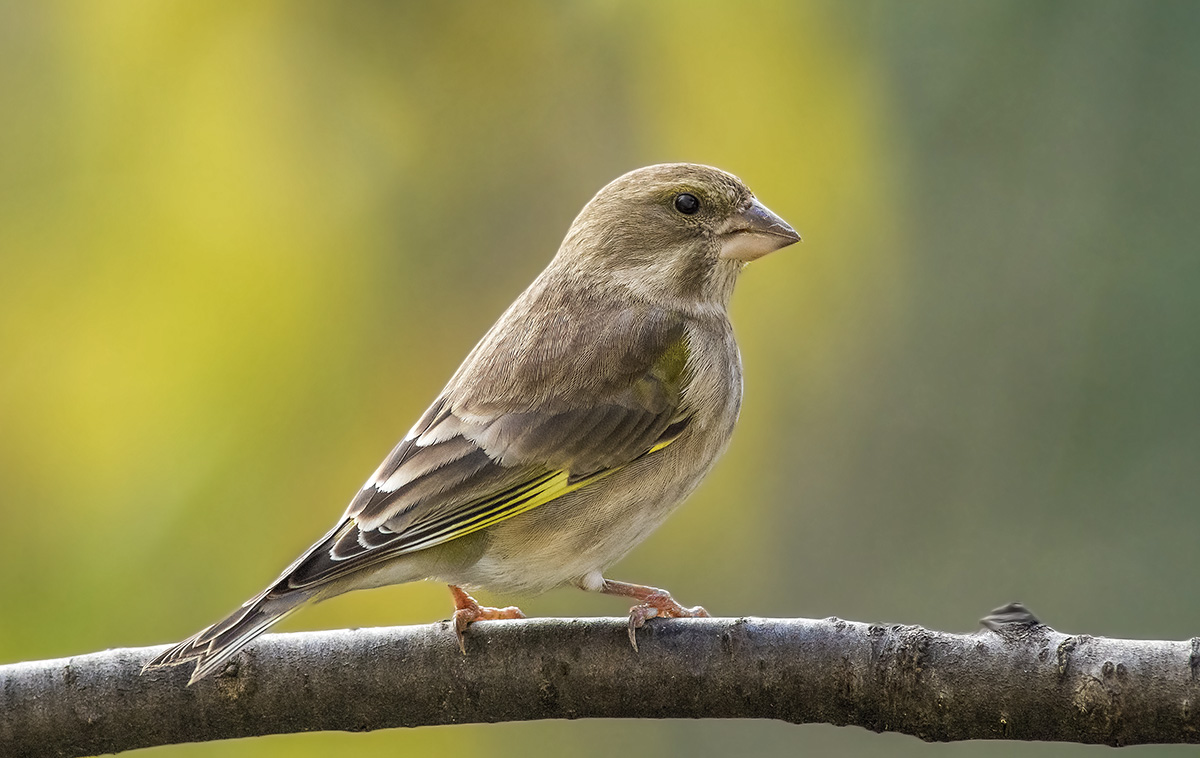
(673, 229)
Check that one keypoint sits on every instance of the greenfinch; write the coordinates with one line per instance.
(578, 423)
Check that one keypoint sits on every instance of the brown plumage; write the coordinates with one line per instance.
(595, 404)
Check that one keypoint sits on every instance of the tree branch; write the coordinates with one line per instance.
(1019, 681)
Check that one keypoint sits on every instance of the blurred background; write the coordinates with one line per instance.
(243, 245)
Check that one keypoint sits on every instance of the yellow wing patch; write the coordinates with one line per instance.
(502, 506)
(494, 510)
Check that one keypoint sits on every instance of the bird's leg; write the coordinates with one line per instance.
(467, 610)
(655, 603)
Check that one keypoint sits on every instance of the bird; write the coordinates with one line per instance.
(590, 410)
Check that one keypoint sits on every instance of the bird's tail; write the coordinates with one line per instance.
(212, 646)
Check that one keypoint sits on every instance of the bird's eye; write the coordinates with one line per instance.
(686, 203)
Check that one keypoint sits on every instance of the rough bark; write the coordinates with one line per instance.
(1018, 680)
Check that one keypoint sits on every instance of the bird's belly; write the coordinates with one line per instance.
(585, 531)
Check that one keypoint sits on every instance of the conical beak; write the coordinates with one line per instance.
(755, 232)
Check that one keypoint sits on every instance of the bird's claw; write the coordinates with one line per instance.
(659, 604)
(467, 611)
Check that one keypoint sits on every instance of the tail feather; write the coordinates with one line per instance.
(214, 645)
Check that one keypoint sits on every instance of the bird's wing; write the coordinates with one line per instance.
(538, 410)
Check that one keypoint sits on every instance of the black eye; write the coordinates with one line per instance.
(686, 203)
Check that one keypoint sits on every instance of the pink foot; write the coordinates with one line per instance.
(467, 610)
(659, 604)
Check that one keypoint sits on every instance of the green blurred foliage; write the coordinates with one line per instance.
(243, 244)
